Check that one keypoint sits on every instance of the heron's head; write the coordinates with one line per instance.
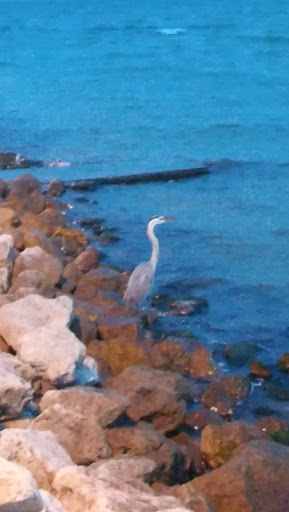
(159, 219)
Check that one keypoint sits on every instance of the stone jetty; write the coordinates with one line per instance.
(96, 415)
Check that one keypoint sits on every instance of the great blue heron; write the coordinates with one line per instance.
(140, 281)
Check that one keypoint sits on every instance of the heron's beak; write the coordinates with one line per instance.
(168, 219)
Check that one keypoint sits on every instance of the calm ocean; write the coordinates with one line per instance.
(124, 87)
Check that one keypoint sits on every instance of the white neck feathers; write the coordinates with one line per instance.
(155, 244)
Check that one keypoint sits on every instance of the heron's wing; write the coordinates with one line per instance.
(139, 283)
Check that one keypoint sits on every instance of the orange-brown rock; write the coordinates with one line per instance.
(118, 354)
(68, 247)
(156, 396)
(223, 394)
(3, 345)
(53, 218)
(99, 278)
(72, 234)
(31, 220)
(119, 328)
(283, 362)
(106, 299)
(33, 279)
(70, 271)
(17, 236)
(84, 328)
(144, 440)
(169, 356)
(220, 443)
(34, 202)
(24, 185)
(271, 425)
(257, 369)
(190, 496)
(87, 260)
(33, 237)
(255, 481)
(84, 308)
(55, 188)
(116, 310)
(198, 420)
(201, 363)
(93, 350)
(7, 217)
(25, 194)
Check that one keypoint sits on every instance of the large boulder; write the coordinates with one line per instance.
(39, 452)
(120, 328)
(144, 440)
(83, 439)
(82, 489)
(96, 405)
(35, 258)
(118, 354)
(34, 279)
(18, 489)
(155, 395)
(254, 481)
(189, 495)
(15, 393)
(100, 278)
(35, 327)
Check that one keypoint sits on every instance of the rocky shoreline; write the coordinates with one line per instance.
(96, 415)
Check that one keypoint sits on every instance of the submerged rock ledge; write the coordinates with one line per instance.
(97, 415)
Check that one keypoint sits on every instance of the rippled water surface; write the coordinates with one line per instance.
(153, 83)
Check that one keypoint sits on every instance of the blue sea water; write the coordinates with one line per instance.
(122, 87)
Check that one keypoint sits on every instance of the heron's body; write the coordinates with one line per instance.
(141, 279)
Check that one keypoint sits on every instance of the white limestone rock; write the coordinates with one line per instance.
(24, 370)
(36, 328)
(54, 353)
(39, 452)
(102, 406)
(15, 393)
(18, 489)
(82, 438)
(31, 312)
(35, 258)
(79, 489)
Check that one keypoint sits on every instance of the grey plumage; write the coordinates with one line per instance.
(140, 281)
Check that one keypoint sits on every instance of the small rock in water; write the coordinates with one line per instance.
(271, 425)
(188, 307)
(259, 370)
(107, 238)
(283, 362)
(277, 390)
(224, 394)
(55, 188)
(240, 353)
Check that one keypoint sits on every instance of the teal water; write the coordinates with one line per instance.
(120, 88)
(151, 84)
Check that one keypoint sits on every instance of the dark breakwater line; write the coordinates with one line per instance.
(133, 179)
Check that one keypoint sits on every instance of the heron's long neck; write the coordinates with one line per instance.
(155, 246)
